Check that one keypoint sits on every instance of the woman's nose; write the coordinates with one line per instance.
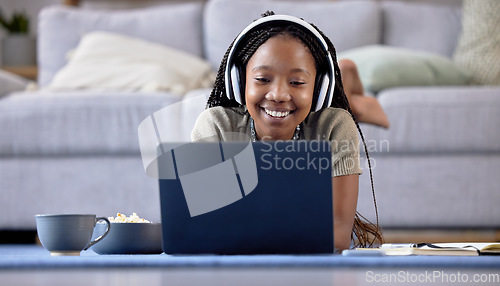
(279, 93)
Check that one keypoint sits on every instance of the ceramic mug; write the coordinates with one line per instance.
(68, 234)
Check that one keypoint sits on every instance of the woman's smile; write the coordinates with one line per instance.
(277, 113)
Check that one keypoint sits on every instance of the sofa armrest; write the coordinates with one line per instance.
(10, 82)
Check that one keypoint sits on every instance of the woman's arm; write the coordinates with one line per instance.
(345, 199)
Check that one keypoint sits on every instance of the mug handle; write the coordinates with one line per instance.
(102, 236)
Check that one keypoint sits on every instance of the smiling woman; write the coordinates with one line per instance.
(280, 80)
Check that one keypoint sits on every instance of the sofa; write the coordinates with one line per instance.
(77, 151)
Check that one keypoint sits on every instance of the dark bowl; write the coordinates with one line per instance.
(129, 238)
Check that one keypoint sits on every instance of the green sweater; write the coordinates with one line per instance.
(333, 124)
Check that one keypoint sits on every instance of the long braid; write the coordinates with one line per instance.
(218, 95)
(362, 228)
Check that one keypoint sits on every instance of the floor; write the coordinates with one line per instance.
(441, 235)
(33, 265)
(250, 277)
(30, 264)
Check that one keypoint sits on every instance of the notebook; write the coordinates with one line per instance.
(458, 249)
(246, 198)
(439, 249)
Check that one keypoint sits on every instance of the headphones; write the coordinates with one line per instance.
(234, 76)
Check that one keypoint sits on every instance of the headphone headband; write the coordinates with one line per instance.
(232, 75)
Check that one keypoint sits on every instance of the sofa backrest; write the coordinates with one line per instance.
(421, 26)
(208, 30)
(60, 29)
(348, 24)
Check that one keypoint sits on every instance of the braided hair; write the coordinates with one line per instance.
(365, 233)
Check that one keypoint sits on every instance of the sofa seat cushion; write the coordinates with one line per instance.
(438, 120)
(78, 123)
(340, 21)
(429, 191)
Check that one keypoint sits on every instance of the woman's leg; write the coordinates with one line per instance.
(365, 108)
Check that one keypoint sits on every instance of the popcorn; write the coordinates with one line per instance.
(133, 218)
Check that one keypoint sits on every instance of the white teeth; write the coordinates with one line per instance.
(274, 113)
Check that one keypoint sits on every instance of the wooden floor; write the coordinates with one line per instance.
(441, 235)
(390, 236)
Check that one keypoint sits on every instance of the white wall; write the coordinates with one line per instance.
(32, 7)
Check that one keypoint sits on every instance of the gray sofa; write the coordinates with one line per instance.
(78, 151)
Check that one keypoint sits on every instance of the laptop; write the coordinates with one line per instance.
(246, 198)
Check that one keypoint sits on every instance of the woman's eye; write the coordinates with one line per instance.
(262, 79)
(297, 83)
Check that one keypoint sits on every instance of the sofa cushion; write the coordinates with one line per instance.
(382, 67)
(340, 21)
(78, 123)
(60, 29)
(102, 185)
(101, 63)
(427, 27)
(432, 190)
(438, 120)
(478, 49)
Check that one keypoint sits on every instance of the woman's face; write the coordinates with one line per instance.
(280, 78)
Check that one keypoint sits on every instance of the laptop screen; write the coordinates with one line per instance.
(246, 198)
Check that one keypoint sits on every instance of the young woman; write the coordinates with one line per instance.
(279, 80)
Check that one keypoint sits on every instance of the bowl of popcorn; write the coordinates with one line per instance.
(128, 235)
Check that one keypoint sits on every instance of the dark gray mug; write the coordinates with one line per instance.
(68, 234)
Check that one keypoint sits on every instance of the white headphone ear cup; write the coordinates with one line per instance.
(235, 84)
(325, 83)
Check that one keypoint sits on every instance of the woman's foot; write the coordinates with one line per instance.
(366, 109)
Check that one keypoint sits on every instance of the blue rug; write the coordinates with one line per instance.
(35, 257)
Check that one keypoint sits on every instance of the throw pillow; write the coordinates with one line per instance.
(383, 67)
(106, 61)
(478, 49)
